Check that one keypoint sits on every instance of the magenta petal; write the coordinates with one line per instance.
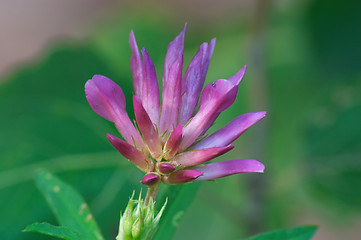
(145, 80)
(173, 142)
(132, 154)
(150, 179)
(210, 123)
(150, 92)
(220, 94)
(215, 98)
(196, 157)
(147, 128)
(136, 65)
(172, 77)
(107, 99)
(193, 81)
(174, 54)
(237, 78)
(182, 176)
(223, 169)
(195, 127)
(165, 168)
(231, 131)
(208, 56)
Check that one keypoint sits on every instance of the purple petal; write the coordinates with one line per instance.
(173, 142)
(132, 154)
(210, 123)
(182, 176)
(145, 80)
(211, 45)
(237, 78)
(199, 156)
(216, 97)
(136, 65)
(220, 94)
(147, 128)
(231, 131)
(223, 169)
(106, 98)
(150, 92)
(165, 168)
(150, 179)
(193, 81)
(172, 77)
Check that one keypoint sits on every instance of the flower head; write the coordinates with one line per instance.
(170, 143)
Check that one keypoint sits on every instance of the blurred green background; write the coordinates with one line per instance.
(304, 69)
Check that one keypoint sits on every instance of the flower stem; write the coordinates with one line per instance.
(152, 193)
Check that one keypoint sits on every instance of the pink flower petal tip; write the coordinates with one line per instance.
(150, 179)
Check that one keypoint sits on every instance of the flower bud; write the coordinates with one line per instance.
(150, 179)
(165, 168)
(139, 221)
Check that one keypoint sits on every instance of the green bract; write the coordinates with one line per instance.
(139, 221)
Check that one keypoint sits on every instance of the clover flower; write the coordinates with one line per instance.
(169, 142)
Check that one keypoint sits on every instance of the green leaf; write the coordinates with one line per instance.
(68, 206)
(179, 199)
(54, 231)
(297, 233)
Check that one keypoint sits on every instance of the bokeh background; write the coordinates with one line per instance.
(304, 69)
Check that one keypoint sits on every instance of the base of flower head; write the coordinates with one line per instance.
(139, 221)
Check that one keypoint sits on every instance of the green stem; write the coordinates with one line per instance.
(152, 193)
